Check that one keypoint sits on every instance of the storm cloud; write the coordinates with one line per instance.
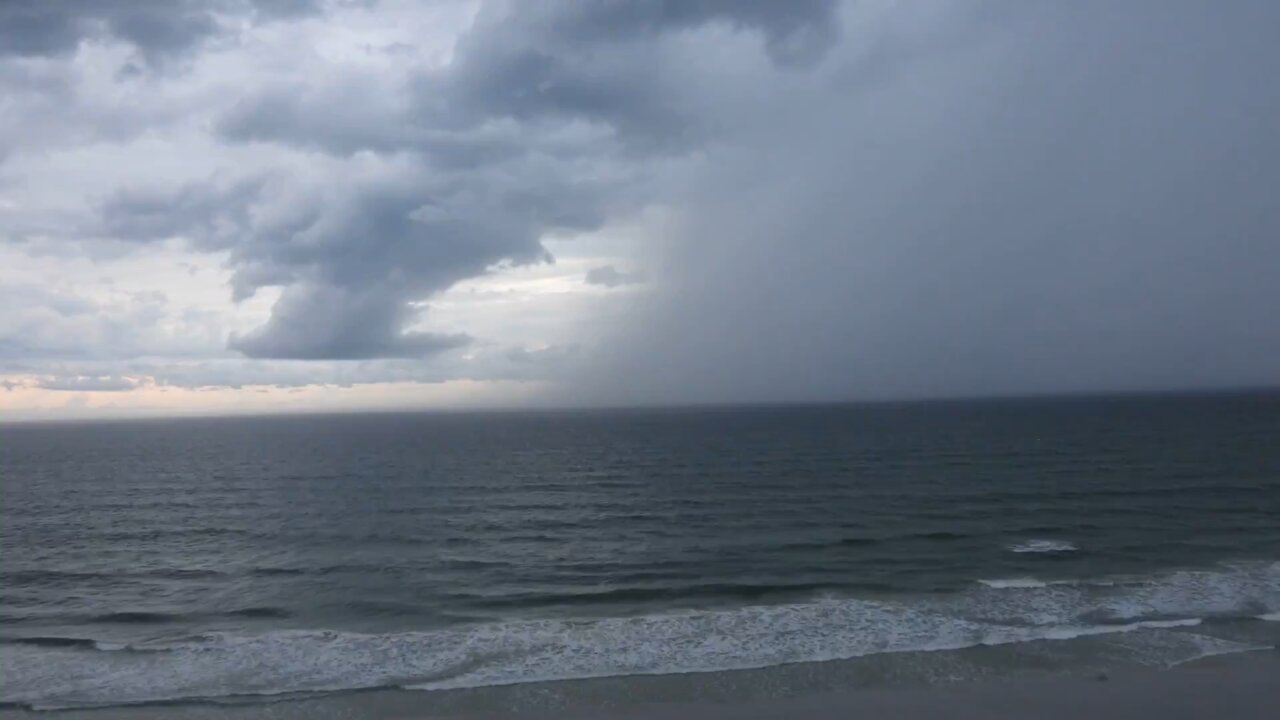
(1005, 199)
(454, 170)
(825, 200)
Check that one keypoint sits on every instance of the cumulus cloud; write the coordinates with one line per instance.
(334, 323)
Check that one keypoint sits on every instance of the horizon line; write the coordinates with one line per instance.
(663, 406)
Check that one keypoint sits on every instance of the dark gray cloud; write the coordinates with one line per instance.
(343, 117)
(211, 213)
(39, 28)
(157, 29)
(609, 61)
(797, 31)
(326, 322)
(794, 32)
(354, 252)
(597, 60)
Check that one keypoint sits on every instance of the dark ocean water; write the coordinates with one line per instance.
(164, 560)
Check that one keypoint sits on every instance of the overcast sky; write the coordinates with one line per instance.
(249, 205)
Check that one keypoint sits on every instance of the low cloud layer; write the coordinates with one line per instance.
(823, 199)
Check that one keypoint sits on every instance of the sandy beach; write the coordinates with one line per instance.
(1239, 686)
(1243, 686)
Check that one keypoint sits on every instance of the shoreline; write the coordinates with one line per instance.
(1240, 685)
(717, 655)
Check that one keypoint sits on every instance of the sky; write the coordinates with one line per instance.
(226, 206)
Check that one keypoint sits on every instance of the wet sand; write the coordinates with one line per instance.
(1243, 686)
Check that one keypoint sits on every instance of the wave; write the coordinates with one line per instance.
(940, 535)
(147, 617)
(503, 653)
(61, 578)
(1014, 583)
(1109, 581)
(274, 571)
(135, 617)
(1042, 546)
(71, 643)
(863, 541)
(57, 642)
(707, 591)
(260, 612)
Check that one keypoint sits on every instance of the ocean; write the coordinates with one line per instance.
(464, 559)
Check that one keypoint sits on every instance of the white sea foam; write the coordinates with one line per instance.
(1071, 633)
(281, 661)
(1269, 617)
(1043, 546)
(1168, 649)
(1014, 583)
(1211, 647)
